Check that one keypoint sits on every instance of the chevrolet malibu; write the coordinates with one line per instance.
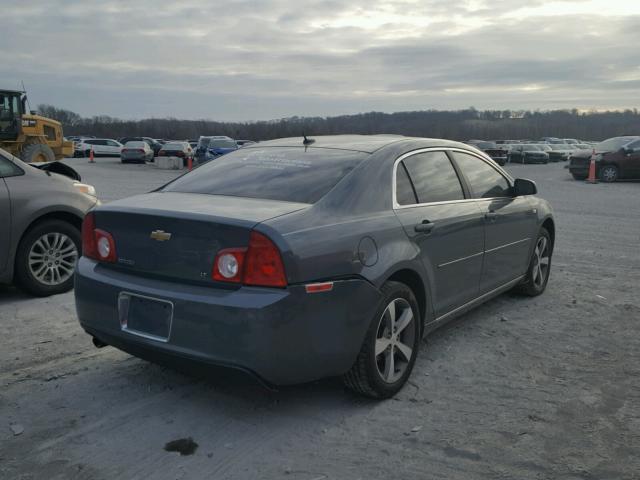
(299, 259)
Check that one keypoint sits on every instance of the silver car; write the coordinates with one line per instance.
(41, 210)
(136, 151)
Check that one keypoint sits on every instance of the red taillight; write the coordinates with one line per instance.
(105, 245)
(263, 264)
(161, 153)
(89, 247)
(260, 264)
(141, 150)
(228, 265)
(180, 154)
(97, 244)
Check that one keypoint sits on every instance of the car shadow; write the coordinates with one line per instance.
(10, 294)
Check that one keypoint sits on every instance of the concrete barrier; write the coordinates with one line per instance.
(169, 163)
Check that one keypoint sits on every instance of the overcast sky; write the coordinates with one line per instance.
(256, 60)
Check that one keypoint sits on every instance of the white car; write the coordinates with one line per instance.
(102, 147)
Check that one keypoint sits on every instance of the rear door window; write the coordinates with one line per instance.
(287, 174)
(405, 194)
(484, 180)
(434, 178)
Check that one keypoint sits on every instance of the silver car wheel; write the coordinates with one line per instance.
(395, 340)
(541, 262)
(609, 174)
(52, 258)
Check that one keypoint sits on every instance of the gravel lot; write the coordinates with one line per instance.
(520, 388)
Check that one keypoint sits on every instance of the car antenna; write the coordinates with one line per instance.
(307, 141)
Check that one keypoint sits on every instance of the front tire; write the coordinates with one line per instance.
(390, 347)
(46, 258)
(609, 173)
(537, 276)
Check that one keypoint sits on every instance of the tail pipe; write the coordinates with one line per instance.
(99, 343)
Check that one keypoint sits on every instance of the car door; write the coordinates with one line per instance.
(446, 228)
(510, 222)
(100, 147)
(7, 169)
(114, 148)
(630, 166)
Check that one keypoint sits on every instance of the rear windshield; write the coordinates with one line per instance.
(174, 146)
(286, 174)
(135, 144)
(213, 143)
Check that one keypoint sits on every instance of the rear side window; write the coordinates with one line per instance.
(286, 174)
(434, 178)
(484, 180)
(405, 195)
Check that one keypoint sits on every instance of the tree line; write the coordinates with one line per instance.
(456, 125)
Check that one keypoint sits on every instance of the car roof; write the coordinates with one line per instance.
(359, 143)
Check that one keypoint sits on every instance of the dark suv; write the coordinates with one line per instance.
(616, 158)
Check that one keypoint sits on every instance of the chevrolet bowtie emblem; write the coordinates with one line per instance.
(160, 235)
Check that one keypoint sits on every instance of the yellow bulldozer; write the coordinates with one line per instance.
(29, 136)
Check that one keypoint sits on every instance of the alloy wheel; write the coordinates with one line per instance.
(609, 174)
(52, 258)
(395, 339)
(541, 262)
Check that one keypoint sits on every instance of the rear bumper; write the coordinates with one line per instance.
(283, 336)
(133, 157)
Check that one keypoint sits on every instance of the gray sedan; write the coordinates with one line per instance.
(41, 210)
(299, 259)
(134, 151)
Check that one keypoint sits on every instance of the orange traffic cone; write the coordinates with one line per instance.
(91, 160)
(190, 163)
(592, 168)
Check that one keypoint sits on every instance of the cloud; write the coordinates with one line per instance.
(245, 60)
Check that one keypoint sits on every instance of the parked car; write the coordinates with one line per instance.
(220, 146)
(560, 152)
(41, 206)
(202, 153)
(177, 149)
(152, 142)
(528, 153)
(298, 260)
(497, 152)
(137, 152)
(616, 158)
(102, 147)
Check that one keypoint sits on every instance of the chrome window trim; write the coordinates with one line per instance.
(485, 159)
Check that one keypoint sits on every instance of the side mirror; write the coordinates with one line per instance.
(522, 186)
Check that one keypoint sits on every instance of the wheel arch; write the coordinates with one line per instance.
(414, 281)
(550, 226)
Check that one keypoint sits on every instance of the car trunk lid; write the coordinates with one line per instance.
(177, 235)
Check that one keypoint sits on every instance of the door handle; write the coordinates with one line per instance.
(491, 216)
(425, 227)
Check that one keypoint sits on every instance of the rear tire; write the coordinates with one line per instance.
(37, 153)
(579, 176)
(390, 347)
(46, 243)
(537, 276)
